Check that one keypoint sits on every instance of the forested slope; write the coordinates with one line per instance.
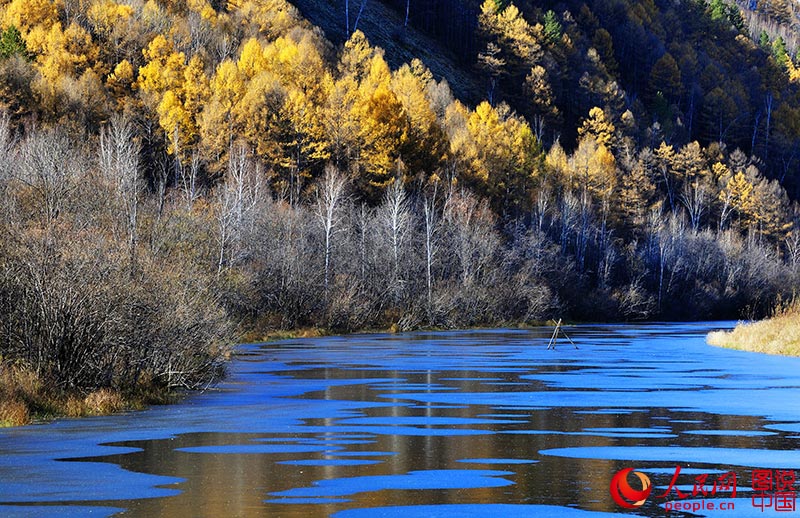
(684, 71)
(168, 168)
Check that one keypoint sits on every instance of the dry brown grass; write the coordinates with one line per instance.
(262, 333)
(779, 334)
(17, 387)
(74, 407)
(104, 401)
(13, 412)
(18, 380)
(24, 398)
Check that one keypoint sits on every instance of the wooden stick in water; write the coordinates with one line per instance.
(554, 338)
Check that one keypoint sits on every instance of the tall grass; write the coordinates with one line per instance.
(25, 397)
(778, 334)
(17, 388)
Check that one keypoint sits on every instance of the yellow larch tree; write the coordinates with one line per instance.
(196, 89)
(105, 15)
(367, 122)
(272, 18)
(503, 154)
(163, 70)
(120, 81)
(26, 15)
(173, 119)
(738, 192)
(383, 130)
(665, 166)
(427, 146)
(768, 215)
(65, 54)
(258, 115)
(341, 121)
(251, 59)
(557, 163)
(218, 125)
(356, 57)
(297, 61)
(308, 145)
(599, 128)
(595, 168)
(203, 8)
(178, 90)
(180, 108)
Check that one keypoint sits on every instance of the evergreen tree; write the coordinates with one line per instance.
(11, 43)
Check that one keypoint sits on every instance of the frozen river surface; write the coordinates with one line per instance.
(446, 424)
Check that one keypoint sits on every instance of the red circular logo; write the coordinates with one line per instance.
(622, 492)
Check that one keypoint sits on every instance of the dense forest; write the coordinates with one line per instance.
(173, 173)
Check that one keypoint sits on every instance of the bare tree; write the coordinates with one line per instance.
(330, 195)
(6, 156)
(695, 198)
(768, 105)
(6, 145)
(119, 162)
(358, 16)
(395, 223)
(568, 211)
(473, 239)
(792, 243)
(541, 208)
(237, 198)
(48, 165)
(431, 229)
(189, 180)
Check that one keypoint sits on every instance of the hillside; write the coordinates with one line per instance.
(384, 28)
(711, 72)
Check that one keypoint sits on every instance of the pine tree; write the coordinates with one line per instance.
(552, 28)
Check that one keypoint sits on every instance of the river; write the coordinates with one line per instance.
(483, 423)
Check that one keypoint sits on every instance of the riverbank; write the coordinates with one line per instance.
(26, 397)
(779, 334)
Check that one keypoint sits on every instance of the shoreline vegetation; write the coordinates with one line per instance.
(174, 174)
(779, 334)
(26, 399)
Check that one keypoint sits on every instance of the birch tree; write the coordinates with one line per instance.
(119, 162)
(330, 196)
(237, 199)
(395, 224)
(431, 221)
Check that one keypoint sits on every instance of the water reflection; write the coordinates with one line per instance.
(479, 423)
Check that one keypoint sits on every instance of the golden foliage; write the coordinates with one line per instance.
(251, 59)
(598, 127)
(104, 15)
(594, 168)
(164, 68)
(27, 14)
